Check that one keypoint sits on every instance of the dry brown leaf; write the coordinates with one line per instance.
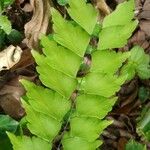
(39, 22)
(10, 98)
(145, 26)
(9, 57)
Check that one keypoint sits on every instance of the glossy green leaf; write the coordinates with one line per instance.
(68, 35)
(5, 24)
(27, 143)
(88, 14)
(132, 145)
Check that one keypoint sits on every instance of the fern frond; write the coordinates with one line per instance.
(27, 143)
(58, 67)
(88, 14)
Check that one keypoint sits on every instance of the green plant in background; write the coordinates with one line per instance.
(143, 125)
(138, 64)
(5, 24)
(143, 121)
(4, 4)
(143, 94)
(62, 2)
(53, 108)
(6, 124)
(133, 145)
(7, 34)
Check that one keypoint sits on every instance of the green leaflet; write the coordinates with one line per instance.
(5, 24)
(138, 63)
(115, 36)
(46, 101)
(48, 112)
(58, 57)
(88, 14)
(68, 35)
(114, 61)
(133, 145)
(106, 85)
(123, 14)
(118, 27)
(87, 128)
(54, 79)
(74, 143)
(41, 125)
(94, 105)
(27, 143)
